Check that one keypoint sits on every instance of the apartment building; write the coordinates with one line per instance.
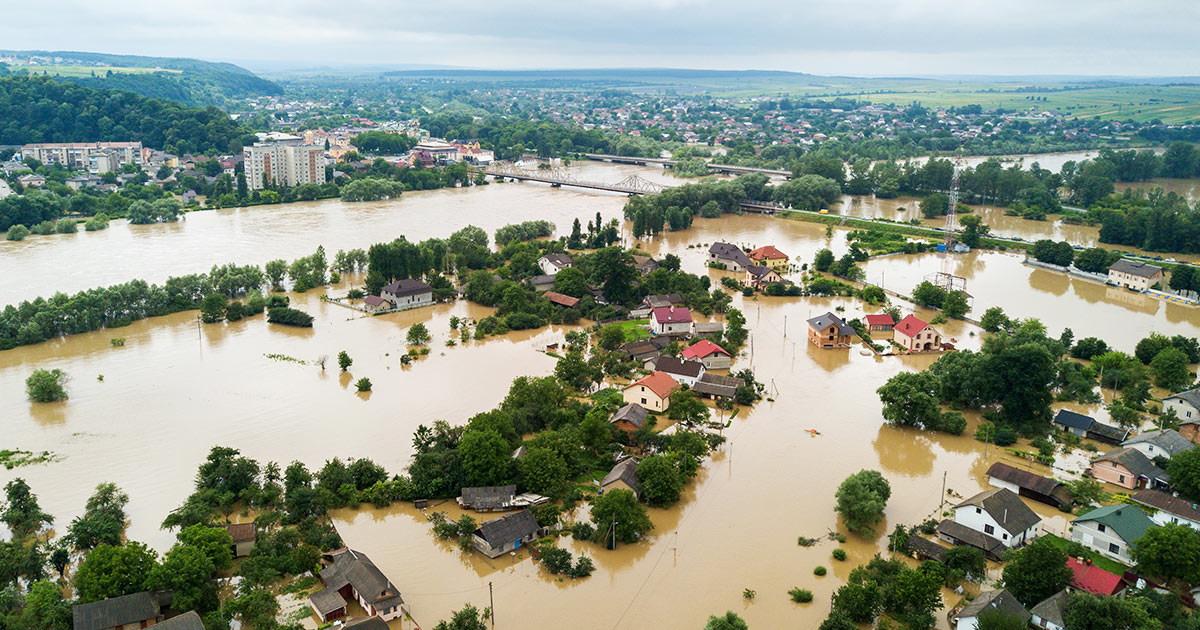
(283, 164)
(96, 157)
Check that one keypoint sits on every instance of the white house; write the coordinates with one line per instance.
(554, 263)
(1111, 530)
(1166, 509)
(676, 319)
(1186, 404)
(408, 293)
(1153, 444)
(1134, 275)
(684, 372)
(1001, 600)
(1001, 514)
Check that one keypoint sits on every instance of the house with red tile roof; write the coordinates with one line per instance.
(673, 319)
(915, 335)
(713, 357)
(652, 392)
(1091, 578)
(880, 322)
(768, 256)
(560, 299)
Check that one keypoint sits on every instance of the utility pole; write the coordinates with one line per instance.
(492, 605)
(942, 498)
(785, 326)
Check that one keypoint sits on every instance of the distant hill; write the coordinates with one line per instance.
(189, 81)
(43, 109)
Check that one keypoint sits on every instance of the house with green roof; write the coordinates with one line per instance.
(1112, 530)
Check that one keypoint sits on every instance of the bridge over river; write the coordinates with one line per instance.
(718, 168)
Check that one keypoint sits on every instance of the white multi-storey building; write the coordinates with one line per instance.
(106, 156)
(283, 164)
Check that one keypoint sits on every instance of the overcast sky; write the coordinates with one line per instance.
(848, 37)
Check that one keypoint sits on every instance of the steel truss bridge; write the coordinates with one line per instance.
(556, 177)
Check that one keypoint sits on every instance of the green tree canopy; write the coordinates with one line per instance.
(861, 499)
(112, 571)
(1037, 572)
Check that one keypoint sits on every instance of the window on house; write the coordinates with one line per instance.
(1121, 478)
(643, 401)
(988, 529)
(1114, 548)
(978, 511)
(1101, 528)
(1004, 536)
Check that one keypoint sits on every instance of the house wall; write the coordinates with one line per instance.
(729, 264)
(1116, 474)
(980, 520)
(967, 623)
(1149, 450)
(242, 549)
(1185, 411)
(1162, 517)
(918, 343)
(408, 301)
(1131, 281)
(1089, 535)
(716, 361)
(1000, 483)
(643, 396)
(548, 267)
(668, 328)
(827, 338)
(1043, 623)
(684, 379)
(618, 485)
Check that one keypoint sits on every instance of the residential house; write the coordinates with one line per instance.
(924, 549)
(244, 536)
(1001, 600)
(768, 256)
(354, 577)
(1134, 275)
(375, 304)
(36, 181)
(559, 299)
(629, 418)
(1029, 485)
(729, 255)
(1091, 578)
(713, 357)
(1166, 509)
(707, 328)
(716, 386)
(683, 371)
(880, 322)
(665, 300)
(652, 392)
(127, 612)
(760, 277)
(1001, 514)
(1159, 443)
(644, 351)
(407, 293)
(1088, 427)
(645, 265)
(551, 264)
(1050, 612)
(1129, 468)
(1186, 406)
(1111, 530)
(959, 534)
(488, 498)
(189, 620)
(623, 476)
(829, 331)
(915, 335)
(542, 283)
(501, 535)
(84, 181)
(366, 623)
(671, 320)
(328, 605)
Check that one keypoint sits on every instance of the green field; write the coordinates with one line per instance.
(634, 329)
(85, 71)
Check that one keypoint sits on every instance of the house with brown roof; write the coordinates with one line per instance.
(488, 498)
(375, 304)
(645, 265)
(768, 256)
(716, 386)
(499, 536)
(559, 299)
(352, 576)
(407, 293)
(915, 335)
(1030, 485)
(1134, 275)
(684, 372)
(629, 418)
(623, 476)
(127, 612)
(1166, 509)
(730, 256)
(244, 535)
(652, 392)
(1001, 514)
(713, 357)
(760, 277)
(1129, 468)
(829, 331)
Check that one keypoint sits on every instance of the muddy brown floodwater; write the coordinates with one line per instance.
(178, 388)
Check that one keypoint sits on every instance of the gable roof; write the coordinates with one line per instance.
(717, 385)
(766, 252)
(911, 325)
(1052, 608)
(560, 299)
(1135, 267)
(880, 319)
(624, 471)
(1135, 462)
(1093, 579)
(660, 383)
(632, 413)
(664, 300)
(1107, 431)
(189, 620)
(702, 349)
(558, 260)
(671, 365)
(707, 328)
(760, 271)
(327, 600)
(1006, 508)
(1000, 600)
(407, 286)
(1192, 397)
(117, 611)
(1024, 479)
(541, 280)
(488, 497)
(1167, 503)
(821, 322)
(729, 251)
(672, 315)
(961, 533)
(366, 623)
(508, 528)
(356, 569)
(242, 532)
(1169, 441)
(1069, 418)
(1127, 521)
(373, 300)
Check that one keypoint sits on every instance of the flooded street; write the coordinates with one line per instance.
(178, 388)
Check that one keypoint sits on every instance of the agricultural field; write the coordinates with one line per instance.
(74, 70)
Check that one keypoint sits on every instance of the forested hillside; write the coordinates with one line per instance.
(38, 109)
(189, 81)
